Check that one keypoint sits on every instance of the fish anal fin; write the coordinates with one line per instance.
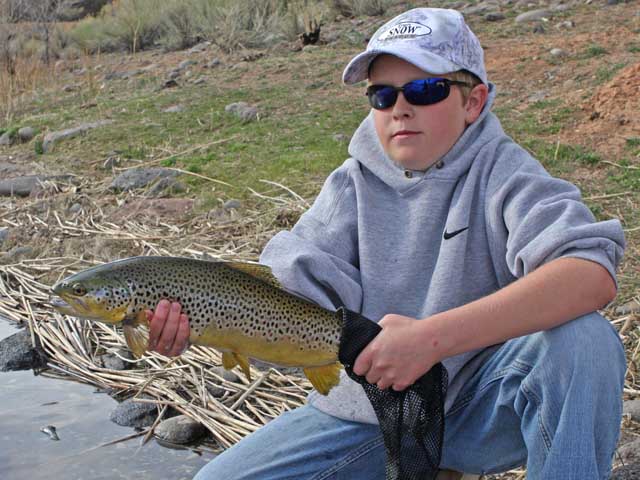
(256, 270)
(228, 360)
(231, 359)
(325, 377)
(244, 364)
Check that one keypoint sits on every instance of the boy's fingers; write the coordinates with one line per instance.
(157, 322)
(363, 362)
(168, 335)
(182, 337)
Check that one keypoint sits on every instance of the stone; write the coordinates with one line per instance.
(538, 28)
(15, 254)
(116, 362)
(632, 408)
(154, 209)
(186, 64)
(134, 414)
(630, 307)
(27, 184)
(200, 47)
(6, 139)
(140, 177)
(181, 430)
(558, 52)
(243, 110)
(232, 204)
(565, 24)
(26, 134)
(4, 233)
(75, 208)
(228, 375)
(174, 109)
(165, 187)
(533, 15)
(629, 452)
(51, 139)
(494, 17)
(18, 353)
(627, 472)
(213, 63)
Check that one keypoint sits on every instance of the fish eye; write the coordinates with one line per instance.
(78, 290)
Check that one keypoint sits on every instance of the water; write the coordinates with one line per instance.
(81, 417)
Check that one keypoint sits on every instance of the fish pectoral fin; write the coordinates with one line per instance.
(324, 378)
(231, 359)
(136, 333)
(137, 337)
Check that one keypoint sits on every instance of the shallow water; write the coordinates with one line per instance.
(81, 417)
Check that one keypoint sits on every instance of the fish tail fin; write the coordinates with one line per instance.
(136, 333)
(324, 377)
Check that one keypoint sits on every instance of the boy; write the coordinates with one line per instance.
(468, 253)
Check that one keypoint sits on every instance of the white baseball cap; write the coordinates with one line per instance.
(436, 40)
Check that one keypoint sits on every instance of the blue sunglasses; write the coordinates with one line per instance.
(426, 91)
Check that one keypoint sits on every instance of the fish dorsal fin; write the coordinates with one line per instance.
(256, 270)
(324, 377)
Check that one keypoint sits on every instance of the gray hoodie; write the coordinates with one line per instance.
(380, 240)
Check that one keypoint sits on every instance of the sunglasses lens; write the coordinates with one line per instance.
(381, 97)
(426, 92)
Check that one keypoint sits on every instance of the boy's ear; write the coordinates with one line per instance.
(475, 102)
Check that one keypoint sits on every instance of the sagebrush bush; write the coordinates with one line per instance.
(229, 24)
(352, 8)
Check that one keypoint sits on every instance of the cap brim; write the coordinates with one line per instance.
(357, 69)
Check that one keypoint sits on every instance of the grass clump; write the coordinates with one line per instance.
(594, 51)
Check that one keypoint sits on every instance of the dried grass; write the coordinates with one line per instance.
(185, 383)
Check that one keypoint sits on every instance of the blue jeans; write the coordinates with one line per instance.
(551, 400)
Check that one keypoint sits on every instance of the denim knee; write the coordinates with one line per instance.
(587, 348)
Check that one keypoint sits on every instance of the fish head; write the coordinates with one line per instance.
(92, 294)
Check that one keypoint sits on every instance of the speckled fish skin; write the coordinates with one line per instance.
(232, 306)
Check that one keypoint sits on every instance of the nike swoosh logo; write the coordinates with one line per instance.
(448, 235)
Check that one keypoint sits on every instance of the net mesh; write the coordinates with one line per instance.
(412, 421)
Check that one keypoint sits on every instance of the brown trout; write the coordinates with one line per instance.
(237, 308)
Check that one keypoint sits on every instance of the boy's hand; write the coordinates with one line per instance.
(168, 329)
(399, 355)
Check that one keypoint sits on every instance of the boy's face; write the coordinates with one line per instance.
(416, 136)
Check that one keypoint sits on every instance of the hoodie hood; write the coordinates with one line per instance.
(365, 147)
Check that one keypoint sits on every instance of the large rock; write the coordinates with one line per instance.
(51, 139)
(25, 185)
(533, 15)
(140, 177)
(181, 430)
(18, 353)
(134, 414)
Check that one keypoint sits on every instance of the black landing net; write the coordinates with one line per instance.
(412, 421)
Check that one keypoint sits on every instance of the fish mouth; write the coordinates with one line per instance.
(61, 305)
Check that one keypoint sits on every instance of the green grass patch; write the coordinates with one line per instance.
(594, 50)
(607, 72)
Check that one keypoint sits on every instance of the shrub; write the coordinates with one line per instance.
(353, 8)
